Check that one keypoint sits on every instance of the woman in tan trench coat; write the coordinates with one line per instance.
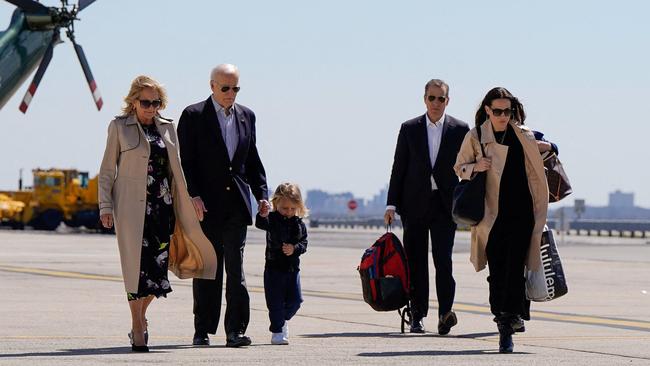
(516, 203)
(143, 191)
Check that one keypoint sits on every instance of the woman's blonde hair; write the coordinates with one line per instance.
(291, 192)
(137, 85)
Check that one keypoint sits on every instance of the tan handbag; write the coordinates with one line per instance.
(184, 257)
(558, 182)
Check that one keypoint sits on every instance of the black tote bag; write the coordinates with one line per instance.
(468, 206)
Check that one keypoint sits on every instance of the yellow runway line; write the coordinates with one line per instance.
(53, 273)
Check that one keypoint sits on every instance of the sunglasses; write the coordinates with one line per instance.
(224, 89)
(431, 98)
(144, 103)
(498, 112)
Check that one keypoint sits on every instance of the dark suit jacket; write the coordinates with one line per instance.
(410, 182)
(208, 170)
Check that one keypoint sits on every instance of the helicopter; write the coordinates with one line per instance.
(33, 32)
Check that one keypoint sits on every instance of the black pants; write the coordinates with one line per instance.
(228, 238)
(283, 296)
(438, 225)
(506, 252)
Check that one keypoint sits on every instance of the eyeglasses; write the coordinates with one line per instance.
(144, 103)
(224, 89)
(431, 98)
(498, 112)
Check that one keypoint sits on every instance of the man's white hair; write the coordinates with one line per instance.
(224, 69)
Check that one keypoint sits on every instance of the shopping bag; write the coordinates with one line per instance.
(547, 283)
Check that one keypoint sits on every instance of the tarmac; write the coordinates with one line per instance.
(63, 303)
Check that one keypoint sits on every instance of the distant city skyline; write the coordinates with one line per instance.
(323, 203)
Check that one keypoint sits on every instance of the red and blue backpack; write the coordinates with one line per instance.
(385, 274)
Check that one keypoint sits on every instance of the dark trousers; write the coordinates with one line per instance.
(228, 238)
(506, 252)
(283, 296)
(440, 227)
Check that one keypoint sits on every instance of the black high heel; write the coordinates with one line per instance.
(135, 348)
(146, 337)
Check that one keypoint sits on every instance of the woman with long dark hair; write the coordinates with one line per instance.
(516, 204)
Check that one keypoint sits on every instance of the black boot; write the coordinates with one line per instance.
(505, 343)
(504, 324)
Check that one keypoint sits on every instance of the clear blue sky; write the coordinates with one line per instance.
(331, 81)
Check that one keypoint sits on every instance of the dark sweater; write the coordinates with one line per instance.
(515, 201)
(280, 230)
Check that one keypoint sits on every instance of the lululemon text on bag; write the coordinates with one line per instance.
(549, 282)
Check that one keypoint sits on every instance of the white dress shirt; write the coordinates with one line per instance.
(434, 133)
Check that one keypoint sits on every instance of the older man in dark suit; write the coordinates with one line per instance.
(421, 189)
(222, 166)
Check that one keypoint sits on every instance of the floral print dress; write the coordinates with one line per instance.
(159, 221)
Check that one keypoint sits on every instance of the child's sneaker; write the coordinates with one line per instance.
(285, 331)
(278, 338)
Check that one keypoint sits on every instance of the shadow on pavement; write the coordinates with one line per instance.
(468, 352)
(101, 351)
(392, 335)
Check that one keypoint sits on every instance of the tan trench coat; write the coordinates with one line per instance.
(469, 153)
(122, 192)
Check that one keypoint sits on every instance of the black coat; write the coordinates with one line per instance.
(208, 170)
(280, 230)
(410, 181)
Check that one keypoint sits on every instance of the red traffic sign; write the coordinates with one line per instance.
(352, 204)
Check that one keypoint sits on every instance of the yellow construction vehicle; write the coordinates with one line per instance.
(11, 212)
(58, 195)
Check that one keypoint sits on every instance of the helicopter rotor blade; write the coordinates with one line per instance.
(30, 6)
(89, 75)
(45, 62)
(84, 4)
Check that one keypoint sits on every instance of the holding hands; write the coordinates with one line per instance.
(264, 207)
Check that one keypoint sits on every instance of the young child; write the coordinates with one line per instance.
(286, 240)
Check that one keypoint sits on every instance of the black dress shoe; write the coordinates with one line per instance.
(237, 340)
(447, 321)
(417, 325)
(201, 339)
(505, 343)
(135, 348)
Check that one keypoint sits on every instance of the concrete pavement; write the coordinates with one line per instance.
(63, 302)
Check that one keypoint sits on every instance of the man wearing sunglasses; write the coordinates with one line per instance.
(222, 167)
(421, 189)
